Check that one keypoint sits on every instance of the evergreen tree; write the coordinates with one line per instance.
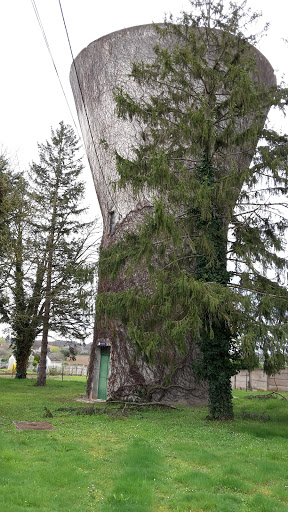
(10, 196)
(25, 281)
(57, 194)
(5, 199)
(212, 244)
(48, 266)
(21, 271)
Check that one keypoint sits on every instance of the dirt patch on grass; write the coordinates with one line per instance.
(33, 425)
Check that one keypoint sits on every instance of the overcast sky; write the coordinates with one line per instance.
(31, 100)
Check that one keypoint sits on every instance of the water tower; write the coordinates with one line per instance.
(115, 366)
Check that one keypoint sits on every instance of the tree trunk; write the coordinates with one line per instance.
(22, 363)
(217, 350)
(219, 369)
(22, 347)
(22, 344)
(41, 380)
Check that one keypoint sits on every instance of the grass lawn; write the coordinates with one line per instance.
(145, 461)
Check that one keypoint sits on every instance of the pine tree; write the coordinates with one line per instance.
(57, 194)
(212, 244)
(48, 266)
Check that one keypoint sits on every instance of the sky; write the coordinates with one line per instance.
(31, 99)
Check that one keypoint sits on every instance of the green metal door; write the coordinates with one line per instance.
(103, 373)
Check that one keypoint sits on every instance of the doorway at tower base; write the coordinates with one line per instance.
(119, 373)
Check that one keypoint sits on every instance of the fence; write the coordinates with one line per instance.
(72, 369)
(257, 380)
(79, 370)
(66, 369)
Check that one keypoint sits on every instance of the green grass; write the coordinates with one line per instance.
(148, 461)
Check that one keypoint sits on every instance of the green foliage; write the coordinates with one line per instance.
(49, 267)
(20, 273)
(66, 239)
(8, 200)
(176, 459)
(4, 353)
(212, 245)
(71, 352)
(65, 352)
(54, 371)
(55, 349)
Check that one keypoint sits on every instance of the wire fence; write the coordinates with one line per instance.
(80, 370)
(68, 369)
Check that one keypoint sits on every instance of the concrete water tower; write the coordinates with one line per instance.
(99, 68)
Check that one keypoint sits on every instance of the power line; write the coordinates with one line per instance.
(50, 53)
(85, 110)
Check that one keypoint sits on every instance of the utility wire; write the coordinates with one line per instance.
(50, 53)
(85, 110)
